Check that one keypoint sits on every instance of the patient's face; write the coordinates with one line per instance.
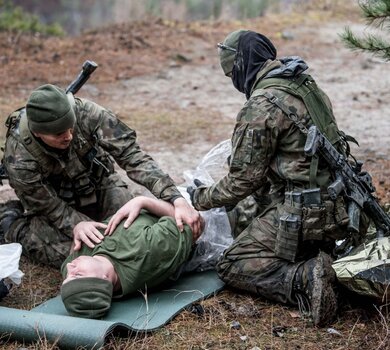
(84, 266)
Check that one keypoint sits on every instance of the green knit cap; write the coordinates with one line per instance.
(227, 56)
(49, 110)
(87, 297)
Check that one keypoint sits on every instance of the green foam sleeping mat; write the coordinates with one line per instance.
(138, 313)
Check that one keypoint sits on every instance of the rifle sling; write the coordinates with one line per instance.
(294, 118)
(27, 139)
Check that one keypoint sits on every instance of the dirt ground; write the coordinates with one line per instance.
(163, 79)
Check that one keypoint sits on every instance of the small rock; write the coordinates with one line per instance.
(286, 35)
(278, 331)
(333, 331)
(235, 325)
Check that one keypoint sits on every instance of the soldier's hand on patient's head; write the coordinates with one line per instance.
(87, 232)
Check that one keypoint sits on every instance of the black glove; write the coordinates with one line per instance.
(191, 189)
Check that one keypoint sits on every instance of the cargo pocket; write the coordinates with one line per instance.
(242, 147)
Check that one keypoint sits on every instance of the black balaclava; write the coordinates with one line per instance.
(253, 50)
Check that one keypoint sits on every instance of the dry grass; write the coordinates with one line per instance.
(176, 127)
(236, 321)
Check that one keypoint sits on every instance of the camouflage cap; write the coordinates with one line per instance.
(227, 56)
(87, 297)
(49, 110)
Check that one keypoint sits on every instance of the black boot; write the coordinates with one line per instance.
(313, 289)
(9, 212)
(4, 289)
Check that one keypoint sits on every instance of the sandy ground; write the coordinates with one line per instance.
(357, 84)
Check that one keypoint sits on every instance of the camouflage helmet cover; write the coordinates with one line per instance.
(227, 56)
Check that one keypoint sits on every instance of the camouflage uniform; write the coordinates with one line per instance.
(267, 148)
(58, 189)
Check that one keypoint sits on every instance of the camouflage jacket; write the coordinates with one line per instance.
(98, 134)
(267, 147)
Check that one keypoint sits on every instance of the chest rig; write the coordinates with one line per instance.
(75, 174)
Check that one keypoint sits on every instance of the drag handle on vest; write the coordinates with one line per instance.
(88, 68)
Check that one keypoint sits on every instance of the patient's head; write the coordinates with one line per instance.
(85, 266)
(86, 291)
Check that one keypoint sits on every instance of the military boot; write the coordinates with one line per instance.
(4, 289)
(9, 212)
(313, 289)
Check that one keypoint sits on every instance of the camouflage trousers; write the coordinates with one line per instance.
(251, 264)
(44, 243)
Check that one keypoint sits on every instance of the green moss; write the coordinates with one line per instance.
(14, 18)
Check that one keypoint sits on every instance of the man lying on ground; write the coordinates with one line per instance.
(140, 252)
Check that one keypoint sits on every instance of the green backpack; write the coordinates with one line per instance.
(305, 88)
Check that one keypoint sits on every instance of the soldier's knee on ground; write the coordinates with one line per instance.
(41, 242)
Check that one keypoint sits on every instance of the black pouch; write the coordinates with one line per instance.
(66, 190)
(84, 191)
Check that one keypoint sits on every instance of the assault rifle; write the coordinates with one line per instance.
(87, 69)
(356, 186)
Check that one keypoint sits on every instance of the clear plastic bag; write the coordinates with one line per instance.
(212, 167)
(216, 236)
(9, 262)
(212, 243)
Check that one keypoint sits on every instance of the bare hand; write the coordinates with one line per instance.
(185, 214)
(130, 211)
(87, 232)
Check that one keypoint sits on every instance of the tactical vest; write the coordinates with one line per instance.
(84, 169)
(305, 88)
(307, 216)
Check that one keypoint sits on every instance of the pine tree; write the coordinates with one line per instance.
(377, 14)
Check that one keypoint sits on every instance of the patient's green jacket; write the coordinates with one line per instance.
(145, 254)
